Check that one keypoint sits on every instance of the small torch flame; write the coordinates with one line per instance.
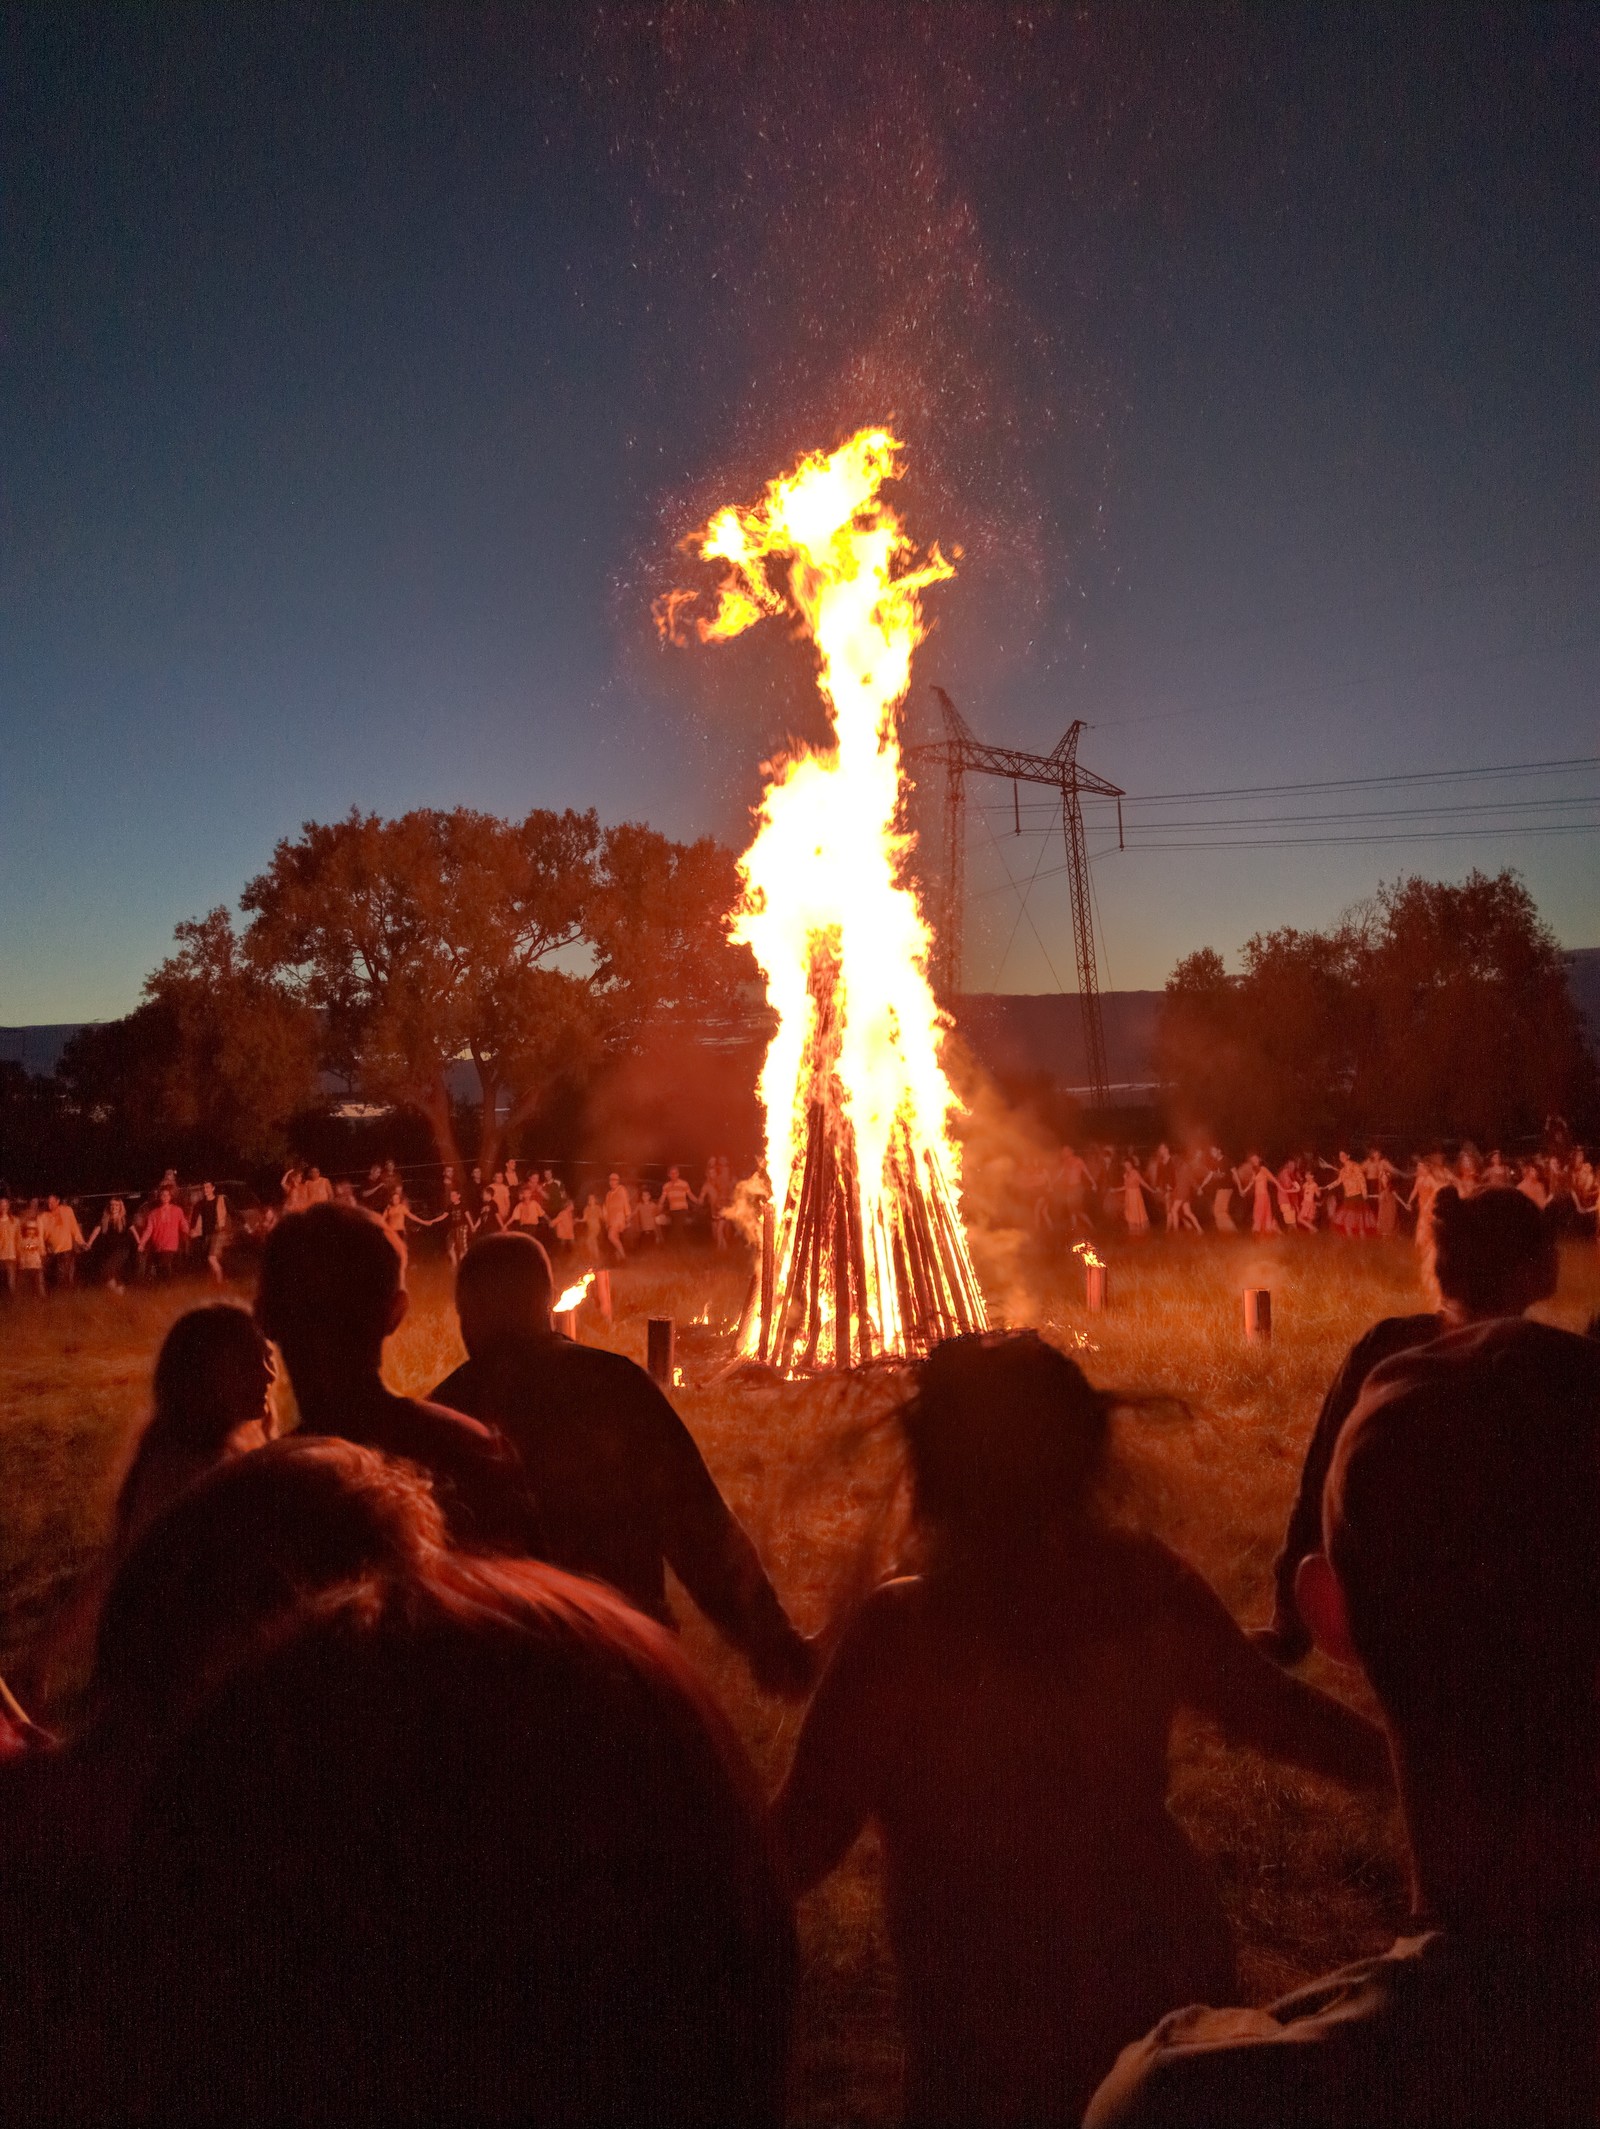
(568, 1301)
(1091, 1260)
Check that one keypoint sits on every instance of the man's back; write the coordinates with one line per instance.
(622, 1488)
(1443, 2029)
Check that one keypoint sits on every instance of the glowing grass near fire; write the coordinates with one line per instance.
(870, 1255)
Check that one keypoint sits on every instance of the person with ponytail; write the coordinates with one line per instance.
(1487, 1254)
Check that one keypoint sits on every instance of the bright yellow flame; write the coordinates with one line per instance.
(573, 1295)
(825, 875)
(1086, 1250)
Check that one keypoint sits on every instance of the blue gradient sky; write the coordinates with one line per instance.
(361, 368)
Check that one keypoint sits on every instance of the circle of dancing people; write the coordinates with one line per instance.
(366, 1778)
(217, 1230)
(1360, 1193)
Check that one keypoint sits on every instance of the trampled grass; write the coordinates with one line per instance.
(1311, 1875)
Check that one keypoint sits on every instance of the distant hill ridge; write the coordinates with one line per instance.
(1033, 1035)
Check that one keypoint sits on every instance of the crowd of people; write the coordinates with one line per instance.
(392, 1797)
(1356, 1193)
(219, 1229)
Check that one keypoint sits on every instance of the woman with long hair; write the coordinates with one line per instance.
(111, 1250)
(1005, 1717)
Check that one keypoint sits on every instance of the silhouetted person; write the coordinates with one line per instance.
(468, 1845)
(623, 1490)
(1462, 1573)
(332, 1289)
(234, 1554)
(1005, 1718)
(212, 1400)
(1492, 1254)
(212, 1395)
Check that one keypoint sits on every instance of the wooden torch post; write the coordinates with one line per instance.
(660, 1335)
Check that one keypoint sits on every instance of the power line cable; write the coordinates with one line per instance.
(1299, 842)
(1341, 783)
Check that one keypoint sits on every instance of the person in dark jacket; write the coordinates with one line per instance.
(332, 1290)
(1461, 1572)
(623, 1491)
(1493, 1254)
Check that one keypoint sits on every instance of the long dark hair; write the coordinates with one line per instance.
(1009, 1442)
(203, 1358)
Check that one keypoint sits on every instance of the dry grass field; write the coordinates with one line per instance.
(1311, 1875)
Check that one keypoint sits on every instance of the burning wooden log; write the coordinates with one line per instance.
(840, 1284)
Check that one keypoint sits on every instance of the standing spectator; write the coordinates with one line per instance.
(1486, 1256)
(459, 1228)
(594, 1220)
(10, 1228)
(676, 1199)
(468, 1844)
(209, 1228)
(293, 1185)
(111, 1251)
(1460, 1570)
(332, 1291)
(1006, 1718)
(527, 1213)
(500, 1191)
(164, 1234)
(318, 1190)
(63, 1238)
(647, 1220)
(714, 1196)
(623, 1490)
(618, 1212)
(30, 1251)
(374, 1191)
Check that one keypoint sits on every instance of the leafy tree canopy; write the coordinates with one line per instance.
(1434, 1011)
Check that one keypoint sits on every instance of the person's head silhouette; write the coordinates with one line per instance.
(503, 1290)
(1461, 1571)
(332, 1289)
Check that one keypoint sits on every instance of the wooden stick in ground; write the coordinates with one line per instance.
(766, 1273)
(858, 1261)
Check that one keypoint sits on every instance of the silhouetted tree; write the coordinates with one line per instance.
(1434, 1011)
(536, 948)
(218, 1058)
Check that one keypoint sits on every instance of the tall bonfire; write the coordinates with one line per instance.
(864, 1251)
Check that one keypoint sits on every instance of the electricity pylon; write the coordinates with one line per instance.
(961, 755)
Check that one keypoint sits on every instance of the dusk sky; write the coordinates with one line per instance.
(363, 367)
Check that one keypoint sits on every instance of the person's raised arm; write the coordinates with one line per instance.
(834, 1781)
(1223, 1675)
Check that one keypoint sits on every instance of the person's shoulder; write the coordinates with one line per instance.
(1308, 2058)
(1393, 1334)
(596, 1370)
(439, 1422)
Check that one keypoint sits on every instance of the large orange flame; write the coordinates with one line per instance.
(827, 908)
